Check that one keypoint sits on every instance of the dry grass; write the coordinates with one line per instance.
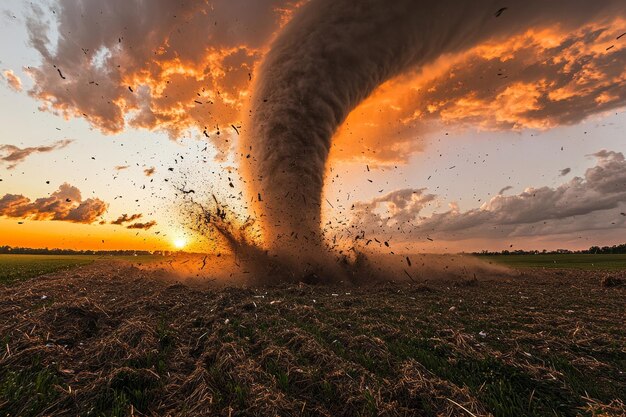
(109, 339)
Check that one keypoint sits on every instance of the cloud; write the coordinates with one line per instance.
(125, 218)
(121, 167)
(142, 226)
(580, 204)
(189, 65)
(14, 155)
(565, 171)
(149, 171)
(540, 79)
(393, 209)
(171, 66)
(13, 81)
(65, 204)
(544, 77)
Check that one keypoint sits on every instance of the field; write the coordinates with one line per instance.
(20, 267)
(577, 261)
(112, 339)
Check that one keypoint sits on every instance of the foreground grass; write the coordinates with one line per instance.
(577, 261)
(543, 343)
(15, 268)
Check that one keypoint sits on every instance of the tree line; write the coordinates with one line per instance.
(594, 250)
(45, 251)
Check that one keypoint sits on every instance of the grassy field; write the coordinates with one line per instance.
(20, 267)
(577, 261)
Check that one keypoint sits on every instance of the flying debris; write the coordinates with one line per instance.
(409, 275)
(499, 12)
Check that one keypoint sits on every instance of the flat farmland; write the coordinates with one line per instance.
(20, 267)
(575, 261)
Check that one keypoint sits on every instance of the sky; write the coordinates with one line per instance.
(109, 109)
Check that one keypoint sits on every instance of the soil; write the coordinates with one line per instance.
(113, 339)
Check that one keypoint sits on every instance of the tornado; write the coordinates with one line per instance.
(330, 57)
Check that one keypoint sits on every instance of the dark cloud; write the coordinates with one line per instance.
(13, 155)
(65, 204)
(565, 171)
(125, 218)
(143, 226)
(581, 204)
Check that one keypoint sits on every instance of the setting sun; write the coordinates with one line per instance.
(180, 243)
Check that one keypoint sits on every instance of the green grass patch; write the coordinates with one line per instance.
(577, 261)
(20, 267)
(129, 386)
(29, 391)
(14, 268)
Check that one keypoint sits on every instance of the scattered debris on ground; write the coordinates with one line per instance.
(112, 339)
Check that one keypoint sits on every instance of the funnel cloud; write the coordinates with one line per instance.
(329, 58)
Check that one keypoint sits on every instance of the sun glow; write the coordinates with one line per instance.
(180, 243)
